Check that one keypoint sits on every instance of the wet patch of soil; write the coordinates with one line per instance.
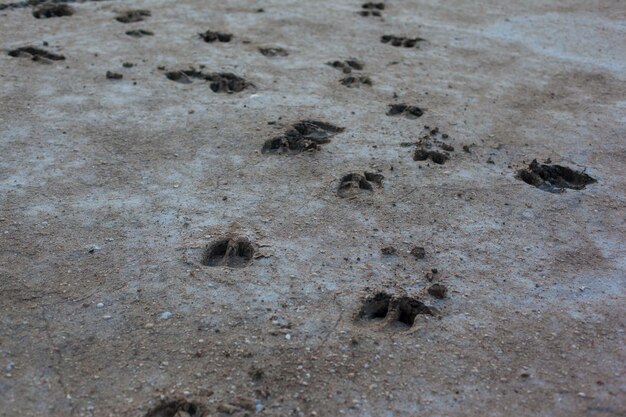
(554, 178)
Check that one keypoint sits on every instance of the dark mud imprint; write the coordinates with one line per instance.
(36, 54)
(307, 135)
(554, 178)
(220, 82)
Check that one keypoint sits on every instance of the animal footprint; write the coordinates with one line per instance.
(139, 33)
(352, 183)
(131, 16)
(273, 52)
(210, 36)
(306, 135)
(222, 82)
(554, 178)
(372, 9)
(401, 41)
(348, 65)
(356, 81)
(394, 312)
(36, 54)
(410, 112)
(176, 408)
(234, 252)
(46, 11)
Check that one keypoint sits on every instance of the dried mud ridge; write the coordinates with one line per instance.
(306, 135)
(393, 311)
(348, 65)
(131, 16)
(410, 112)
(36, 54)
(48, 10)
(210, 36)
(401, 41)
(273, 52)
(138, 33)
(554, 178)
(220, 82)
(235, 252)
(372, 9)
(352, 183)
(176, 408)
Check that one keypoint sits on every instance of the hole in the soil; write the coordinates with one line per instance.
(177, 408)
(409, 308)
(411, 112)
(273, 52)
(53, 10)
(375, 307)
(234, 253)
(35, 54)
(210, 36)
(554, 178)
(130, 16)
(423, 154)
(302, 136)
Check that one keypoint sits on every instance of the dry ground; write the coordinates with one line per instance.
(111, 188)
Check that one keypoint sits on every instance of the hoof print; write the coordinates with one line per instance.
(391, 311)
(410, 112)
(222, 82)
(401, 41)
(177, 408)
(306, 135)
(348, 65)
(35, 54)
(372, 9)
(210, 36)
(273, 52)
(131, 16)
(356, 81)
(554, 178)
(46, 11)
(231, 252)
(439, 158)
(352, 183)
(139, 33)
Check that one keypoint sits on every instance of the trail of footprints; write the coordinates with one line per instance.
(382, 309)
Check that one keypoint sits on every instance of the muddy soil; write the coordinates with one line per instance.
(294, 247)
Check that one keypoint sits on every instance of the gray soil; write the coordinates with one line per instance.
(154, 261)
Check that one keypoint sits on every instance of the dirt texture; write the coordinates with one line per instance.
(170, 252)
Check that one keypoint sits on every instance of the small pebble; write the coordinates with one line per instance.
(100, 305)
(166, 315)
